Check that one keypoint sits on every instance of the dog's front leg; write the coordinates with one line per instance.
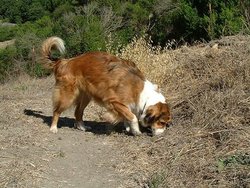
(53, 127)
(134, 125)
(123, 110)
(127, 126)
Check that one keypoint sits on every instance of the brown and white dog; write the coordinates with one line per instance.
(112, 82)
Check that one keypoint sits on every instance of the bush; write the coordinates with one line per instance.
(28, 52)
(192, 20)
(6, 62)
(107, 24)
(7, 33)
(88, 29)
(223, 20)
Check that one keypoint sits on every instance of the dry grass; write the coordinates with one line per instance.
(6, 43)
(209, 91)
(152, 61)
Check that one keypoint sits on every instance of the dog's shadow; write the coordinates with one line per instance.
(96, 127)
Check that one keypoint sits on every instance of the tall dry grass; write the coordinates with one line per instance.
(151, 60)
(208, 89)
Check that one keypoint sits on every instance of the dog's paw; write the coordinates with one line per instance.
(53, 129)
(136, 133)
(127, 128)
(81, 126)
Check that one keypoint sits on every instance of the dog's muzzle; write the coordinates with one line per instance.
(158, 131)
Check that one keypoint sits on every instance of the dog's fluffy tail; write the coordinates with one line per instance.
(52, 43)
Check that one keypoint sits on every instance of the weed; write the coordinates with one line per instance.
(157, 181)
(60, 154)
(238, 159)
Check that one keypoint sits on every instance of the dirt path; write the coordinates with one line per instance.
(82, 161)
(33, 157)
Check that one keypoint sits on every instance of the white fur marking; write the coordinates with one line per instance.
(127, 126)
(53, 129)
(158, 131)
(135, 126)
(81, 126)
(149, 96)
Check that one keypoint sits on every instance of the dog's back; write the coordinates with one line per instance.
(99, 74)
(104, 76)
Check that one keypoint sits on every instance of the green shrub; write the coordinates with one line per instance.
(6, 62)
(224, 19)
(108, 24)
(28, 52)
(7, 33)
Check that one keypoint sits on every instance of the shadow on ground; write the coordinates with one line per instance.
(96, 127)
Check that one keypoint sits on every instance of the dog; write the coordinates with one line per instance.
(113, 83)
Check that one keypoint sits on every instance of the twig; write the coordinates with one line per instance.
(159, 139)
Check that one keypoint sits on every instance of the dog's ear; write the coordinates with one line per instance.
(149, 118)
(166, 114)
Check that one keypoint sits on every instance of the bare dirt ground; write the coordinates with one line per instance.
(208, 88)
(33, 157)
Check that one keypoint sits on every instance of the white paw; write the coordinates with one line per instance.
(156, 132)
(136, 132)
(80, 125)
(127, 128)
(53, 129)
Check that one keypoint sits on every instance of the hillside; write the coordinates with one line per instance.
(208, 88)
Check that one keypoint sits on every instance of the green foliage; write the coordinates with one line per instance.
(94, 36)
(240, 159)
(35, 11)
(109, 24)
(162, 19)
(7, 33)
(88, 28)
(157, 181)
(6, 61)
(28, 50)
(62, 9)
(138, 14)
(42, 28)
(70, 28)
(224, 19)
(20, 11)
(195, 20)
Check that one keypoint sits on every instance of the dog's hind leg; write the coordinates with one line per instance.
(81, 103)
(62, 99)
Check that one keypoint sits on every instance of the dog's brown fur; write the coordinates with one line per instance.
(94, 75)
(112, 82)
(158, 116)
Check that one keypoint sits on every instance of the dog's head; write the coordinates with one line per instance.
(157, 117)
